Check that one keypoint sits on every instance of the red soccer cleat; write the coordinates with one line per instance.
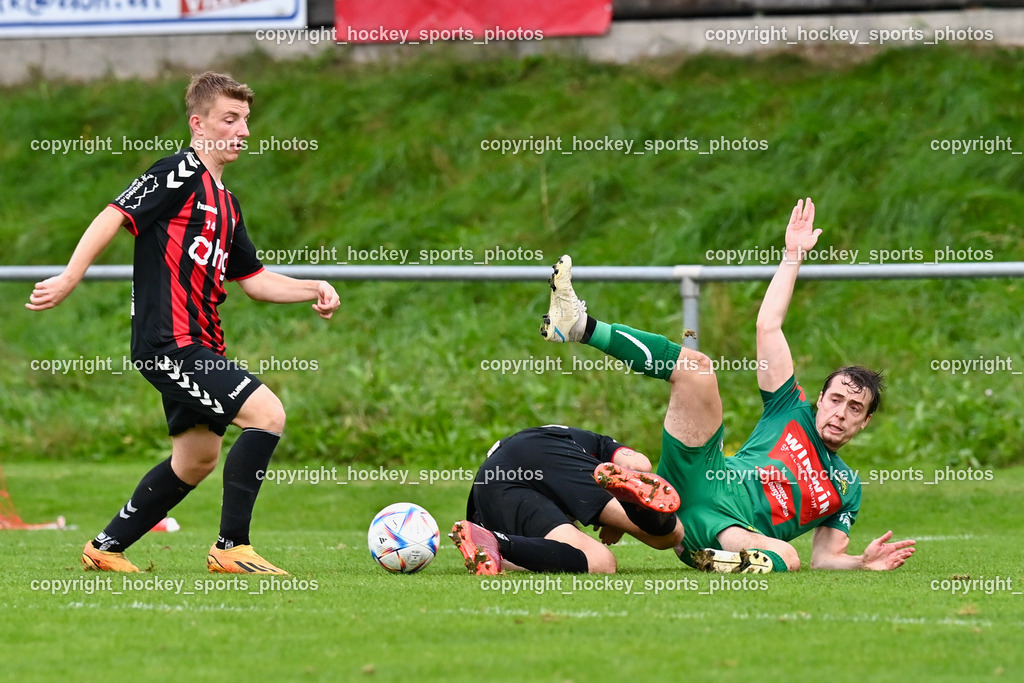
(478, 546)
(640, 488)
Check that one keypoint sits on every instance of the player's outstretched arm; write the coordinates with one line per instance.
(281, 289)
(95, 239)
(775, 361)
(829, 552)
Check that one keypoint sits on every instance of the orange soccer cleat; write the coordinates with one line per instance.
(241, 559)
(478, 546)
(105, 561)
(640, 488)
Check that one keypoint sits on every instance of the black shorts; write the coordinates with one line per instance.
(198, 386)
(534, 481)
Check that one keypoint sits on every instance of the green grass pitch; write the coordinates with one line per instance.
(340, 617)
(399, 382)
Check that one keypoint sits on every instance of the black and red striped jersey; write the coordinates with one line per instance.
(190, 237)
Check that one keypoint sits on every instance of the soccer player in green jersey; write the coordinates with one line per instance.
(739, 513)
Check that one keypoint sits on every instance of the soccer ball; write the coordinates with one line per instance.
(403, 537)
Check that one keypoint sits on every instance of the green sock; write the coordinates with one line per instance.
(651, 354)
(777, 564)
(601, 337)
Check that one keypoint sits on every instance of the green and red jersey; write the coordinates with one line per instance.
(794, 481)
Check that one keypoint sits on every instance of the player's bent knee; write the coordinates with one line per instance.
(791, 558)
(205, 468)
(193, 467)
(692, 365)
(262, 410)
(786, 552)
(194, 454)
(601, 561)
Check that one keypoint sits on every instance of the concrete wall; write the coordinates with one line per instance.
(23, 60)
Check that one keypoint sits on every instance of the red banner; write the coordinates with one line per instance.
(432, 21)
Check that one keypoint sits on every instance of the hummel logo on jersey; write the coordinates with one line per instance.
(241, 385)
(640, 345)
(207, 208)
(193, 389)
(183, 172)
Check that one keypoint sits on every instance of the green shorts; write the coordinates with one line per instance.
(710, 499)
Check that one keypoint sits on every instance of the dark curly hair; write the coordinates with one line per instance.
(860, 378)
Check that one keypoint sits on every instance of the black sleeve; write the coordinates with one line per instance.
(158, 193)
(242, 259)
(600, 446)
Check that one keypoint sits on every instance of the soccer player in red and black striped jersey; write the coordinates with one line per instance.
(189, 238)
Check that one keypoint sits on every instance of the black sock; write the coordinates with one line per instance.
(542, 554)
(589, 331)
(158, 492)
(650, 521)
(244, 470)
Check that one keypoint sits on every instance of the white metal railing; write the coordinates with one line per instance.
(688, 277)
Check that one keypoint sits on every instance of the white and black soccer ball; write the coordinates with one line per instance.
(403, 538)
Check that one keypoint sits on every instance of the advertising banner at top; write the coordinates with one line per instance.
(83, 18)
(430, 21)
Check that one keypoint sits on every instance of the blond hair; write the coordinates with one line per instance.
(206, 87)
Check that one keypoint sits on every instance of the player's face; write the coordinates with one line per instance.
(222, 132)
(842, 412)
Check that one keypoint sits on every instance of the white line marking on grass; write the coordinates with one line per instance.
(161, 606)
(738, 616)
(506, 612)
(956, 537)
(855, 618)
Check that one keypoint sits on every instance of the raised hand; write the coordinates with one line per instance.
(801, 235)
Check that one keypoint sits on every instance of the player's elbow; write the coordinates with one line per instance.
(767, 326)
(823, 561)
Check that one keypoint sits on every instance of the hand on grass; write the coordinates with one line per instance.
(882, 556)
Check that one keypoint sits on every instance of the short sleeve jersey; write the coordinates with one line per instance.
(190, 237)
(795, 482)
(558, 453)
(558, 441)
